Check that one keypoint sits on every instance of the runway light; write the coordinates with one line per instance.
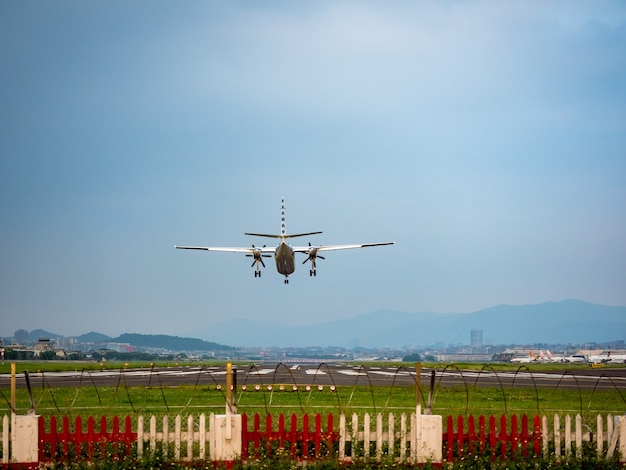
(281, 388)
(257, 387)
(294, 388)
(332, 388)
(219, 387)
(243, 387)
(269, 388)
(308, 388)
(320, 387)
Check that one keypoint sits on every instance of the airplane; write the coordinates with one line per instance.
(532, 357)
(284, 254)
(608, 357)
(575, 358)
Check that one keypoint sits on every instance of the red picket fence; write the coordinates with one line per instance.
(67, 444)
(493, 441)
(303, 438)
(297, 441)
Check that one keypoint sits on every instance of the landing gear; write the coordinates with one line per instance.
(257, 254)
(286, 281)
(312, 256)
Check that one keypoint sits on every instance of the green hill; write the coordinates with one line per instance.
(173, 343)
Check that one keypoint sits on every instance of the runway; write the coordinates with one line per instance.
(312, 375)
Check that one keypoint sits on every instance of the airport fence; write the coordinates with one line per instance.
(279, 388)
(371, 407)
(344, 438)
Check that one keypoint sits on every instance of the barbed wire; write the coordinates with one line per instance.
(109, 389)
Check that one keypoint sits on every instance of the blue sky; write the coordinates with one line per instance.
(488, 139)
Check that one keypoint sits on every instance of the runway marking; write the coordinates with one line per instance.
(390, 374)
(351, 372)
(261, 371)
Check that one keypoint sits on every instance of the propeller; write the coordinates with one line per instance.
(312, 256)
(258, 256)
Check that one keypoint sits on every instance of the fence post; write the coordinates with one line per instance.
(25, 439)
(225, 441)
(428, 443)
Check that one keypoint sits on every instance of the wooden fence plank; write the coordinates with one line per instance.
(482, 437)
(166, 436)
(599, 435)
(403, 434)
(391, 435)
(244, 434)
(332, 435)
(190, 438)
(524, 436)
(379, 436)
(460, 434)
(366, 435)
(503, 437)
(140, 436)
(5, 438)
(202, 435)
(557, 436)
(579, 436)
(492, 436)
(537, 435)
(471, 434)
(342, 436)
(450, 439)
(568, 436)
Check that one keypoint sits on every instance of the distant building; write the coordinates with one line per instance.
(463, 357)
(476, 339)
(44, 344)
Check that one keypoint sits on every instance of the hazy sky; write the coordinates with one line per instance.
(488, 139)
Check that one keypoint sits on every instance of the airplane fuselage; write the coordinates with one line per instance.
(284, 257)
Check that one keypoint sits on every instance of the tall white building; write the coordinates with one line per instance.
(476, 339)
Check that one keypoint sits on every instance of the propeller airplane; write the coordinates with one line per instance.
(284, 254)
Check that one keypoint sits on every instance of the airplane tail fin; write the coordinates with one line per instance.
(283, 229)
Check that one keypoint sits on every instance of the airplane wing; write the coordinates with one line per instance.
(307, 249)
(250, 249)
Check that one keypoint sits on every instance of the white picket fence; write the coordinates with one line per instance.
(605, 438)
(191, 438)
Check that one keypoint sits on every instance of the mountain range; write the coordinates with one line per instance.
(567, 321)
(564, 322)
(172, 343)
